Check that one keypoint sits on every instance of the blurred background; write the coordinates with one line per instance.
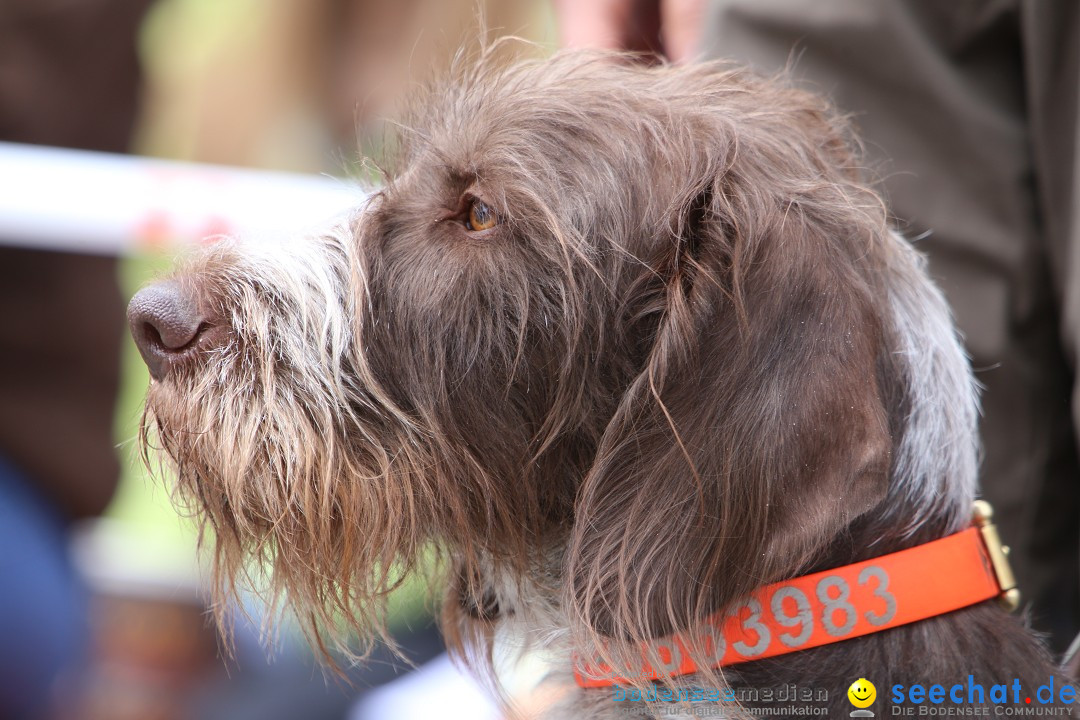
(118, 628)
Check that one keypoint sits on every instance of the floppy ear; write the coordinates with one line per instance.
(756, 429)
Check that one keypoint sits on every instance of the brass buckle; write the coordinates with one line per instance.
(983, 514)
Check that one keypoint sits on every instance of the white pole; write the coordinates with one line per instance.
(79, 201)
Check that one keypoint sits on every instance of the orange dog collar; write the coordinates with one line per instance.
(835, 605)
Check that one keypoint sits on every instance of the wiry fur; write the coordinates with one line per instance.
(690, 360)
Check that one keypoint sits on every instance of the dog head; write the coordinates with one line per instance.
(643, 320)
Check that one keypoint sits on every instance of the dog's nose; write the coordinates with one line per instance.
(166, 324)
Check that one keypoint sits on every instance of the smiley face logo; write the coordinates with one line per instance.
(862, 693)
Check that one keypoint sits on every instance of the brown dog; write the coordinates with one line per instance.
(627, 344)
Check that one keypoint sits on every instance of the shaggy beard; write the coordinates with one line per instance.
(311, 493)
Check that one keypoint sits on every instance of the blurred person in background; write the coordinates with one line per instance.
(68, 77)
(969, 114)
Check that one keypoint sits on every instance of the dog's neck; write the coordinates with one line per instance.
(931, 652)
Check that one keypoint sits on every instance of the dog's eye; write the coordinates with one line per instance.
(481, 217)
